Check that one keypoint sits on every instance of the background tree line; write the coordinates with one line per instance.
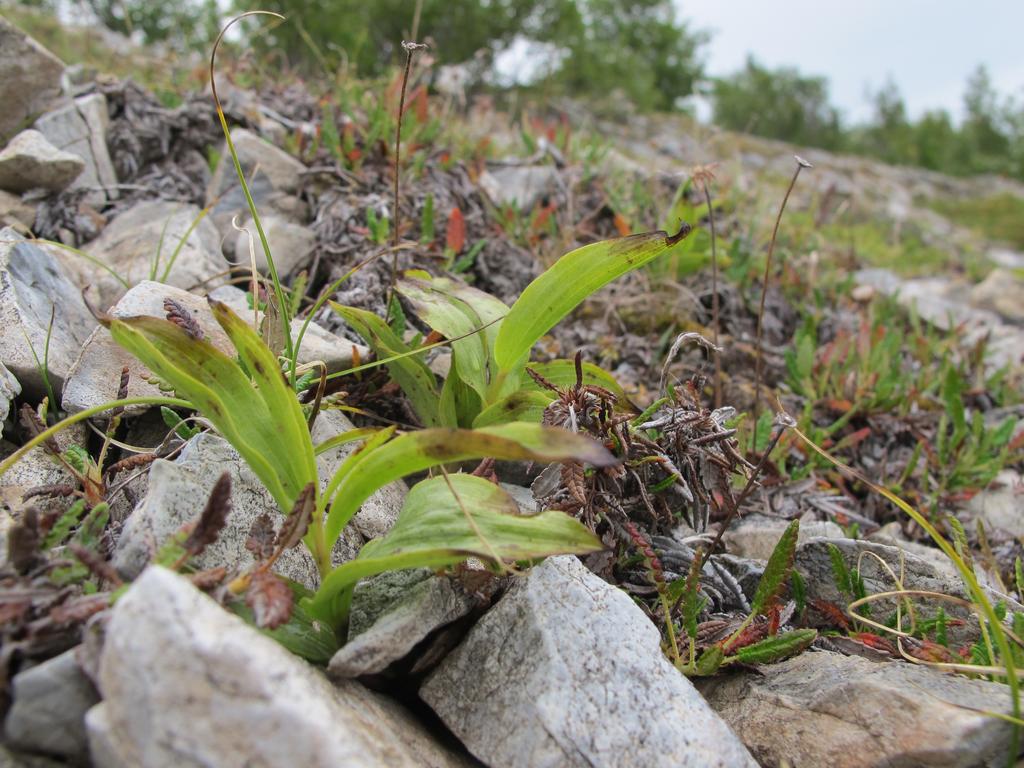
(640, 52)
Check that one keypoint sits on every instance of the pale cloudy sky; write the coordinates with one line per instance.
(928, 47)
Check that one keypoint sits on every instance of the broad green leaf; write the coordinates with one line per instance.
(442, 524)
(411, 373)
(454, 319)
(777, 571)
(775, 648)
(569, 281)
(303, 635)
(417, 451)
(351, 436)
(562, 373)
(287, 418)
(524, 405)
(221, 391)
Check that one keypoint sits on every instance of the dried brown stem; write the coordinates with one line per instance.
(759, 352)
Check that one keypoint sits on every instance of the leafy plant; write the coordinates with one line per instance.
(492, 342)
(253, 407)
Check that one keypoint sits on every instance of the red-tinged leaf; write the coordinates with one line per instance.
(455, 239)
(832, 612)
(777, 570)
(419, 104)
(270, 599)
(929, 651)
(854, 438)
(78, 610)
(622, 226)
(875, 641)
(776, 648)
(836, 405)
(754, 633)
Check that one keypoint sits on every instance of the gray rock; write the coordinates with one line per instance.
(826, 709)
(393, 612)
(1001, 291)
(291, 245)
(29, 79)
(32, 282)
(566, 671)
(317, 344)
(9, 759)
(274, 179)
(1001, 503)
(177, 490)
(37, 468)
(48, 713)
(149, 233)
(81, 129)
(29, 161)
(932, 573)
(755, 536)
(1006, 258)
(95, 376)
(16, 213)
(523, 186)
(9, 389)
(186, 683)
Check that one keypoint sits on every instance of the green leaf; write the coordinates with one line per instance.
(563, 286)
(692, 602)
(259, 421)
(952, 396)
(453, 318)
(62, 528)
(775, 648)
(524, 405)
(77, 457)
(417, 451)
(840, 573)
(411, 373)
(175, 422)
(303, 635)
(442, 524)
(709, 662)
(562, 373)
(777, 571)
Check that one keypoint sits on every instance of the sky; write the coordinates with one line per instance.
(928, 48)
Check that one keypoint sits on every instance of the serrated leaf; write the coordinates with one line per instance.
(777, 571)
(840, 572)
(62, 528)
(775, 648)
(709, 662)
(443, 521)
(563, 286)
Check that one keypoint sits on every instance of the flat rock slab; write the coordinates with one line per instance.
(567, 671)
(522, 186)
(173, 243)
(32, 284)
(186, 683)
(826, 709)
(81, 129)
(29, 79)
(29, 161)
(178, 489)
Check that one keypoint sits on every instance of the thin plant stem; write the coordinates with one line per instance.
(715, 321)
(759, 352)
(410, 48)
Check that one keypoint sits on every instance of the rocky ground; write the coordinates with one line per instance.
(887, 324)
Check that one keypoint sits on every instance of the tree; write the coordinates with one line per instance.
(638, 46)
(986, 133)
(779, 104)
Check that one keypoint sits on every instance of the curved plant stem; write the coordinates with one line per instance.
(42, 437)
(759, 352)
